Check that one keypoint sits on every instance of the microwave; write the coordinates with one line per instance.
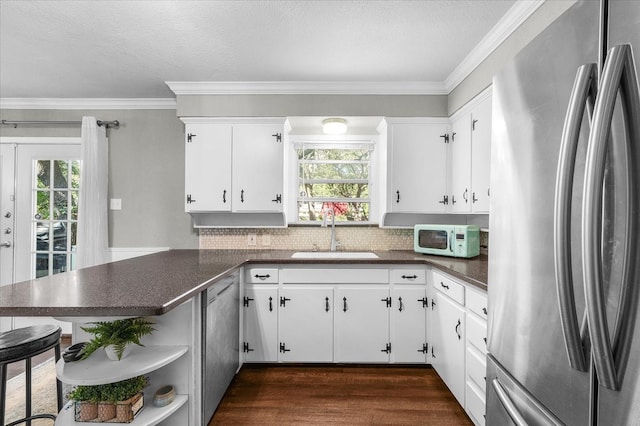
(447, 240)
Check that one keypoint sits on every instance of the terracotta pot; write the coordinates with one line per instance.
(106, 411)
(85, 411)
(127, 410)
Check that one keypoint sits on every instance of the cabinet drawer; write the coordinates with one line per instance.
(475, 404)
(477, 333)
(449, 287)
(262, 276)
(408, 276)
(335, 275)
(476, 368)
(477, 303)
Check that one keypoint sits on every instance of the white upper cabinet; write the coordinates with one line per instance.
(235, 166)
(257, 167)
(471, 156)
(481, 155)
(207, 167)
(417, 155)
(460, 144)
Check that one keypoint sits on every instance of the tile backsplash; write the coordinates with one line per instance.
(307, 238)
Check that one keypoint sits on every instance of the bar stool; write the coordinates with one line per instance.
(23, 344)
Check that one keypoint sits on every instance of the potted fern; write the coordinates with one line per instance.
(116, 336)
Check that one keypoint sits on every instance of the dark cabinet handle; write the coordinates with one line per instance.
(262, 277)
(401, 304)
(425, 348)
(270, 304)
(387, 300)
(424, 302)
(242, 196)
(224, 196)
(473, 124)
(190, 137)
(445, 200)
(387, 348)
(484, 310)
(444, 285)
(246, 300)
(485, 340)
(453, 199)
(465, 195)
(397, 196)
(283, 348)
(433, 355)
(344, 304)
(458, 329)
(278, 198)
(245, 347)
(473, 197)
(409, 277)
(326, 304)
(190, 199)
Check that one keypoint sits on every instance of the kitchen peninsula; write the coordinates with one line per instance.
(171, 287)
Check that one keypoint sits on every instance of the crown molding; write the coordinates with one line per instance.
(519, 13)
(88, 103)
(307, 88)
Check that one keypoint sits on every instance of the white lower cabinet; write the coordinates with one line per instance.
(305, 324)
(409, 324)
(448, 343)
(260, 310)
(476, 357)
(362, 324)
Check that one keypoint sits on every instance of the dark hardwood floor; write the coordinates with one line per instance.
(295, 395)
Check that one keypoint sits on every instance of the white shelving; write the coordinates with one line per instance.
(98, 369)
(149, 415)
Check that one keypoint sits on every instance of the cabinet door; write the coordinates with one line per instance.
(362, 324)
(207, 167)
(261, 323)
(408, 324)
(481, 155)
(418, 168)
(461, 165)
(448, 343)
(306, 324)
(257, 168)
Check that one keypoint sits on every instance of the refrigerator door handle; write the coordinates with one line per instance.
(583, 96)
(618, 75)
(508, 405)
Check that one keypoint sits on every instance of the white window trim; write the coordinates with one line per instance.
(291, 174)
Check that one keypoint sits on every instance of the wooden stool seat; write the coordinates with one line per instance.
(23, 344)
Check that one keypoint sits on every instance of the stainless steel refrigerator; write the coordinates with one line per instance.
(564, 263)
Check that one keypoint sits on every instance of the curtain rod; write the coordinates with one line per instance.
(106, 124)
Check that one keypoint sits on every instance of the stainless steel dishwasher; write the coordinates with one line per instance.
(221, 341)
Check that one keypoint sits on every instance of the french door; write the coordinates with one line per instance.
(39, 185)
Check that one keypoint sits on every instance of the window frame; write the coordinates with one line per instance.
(292, 177)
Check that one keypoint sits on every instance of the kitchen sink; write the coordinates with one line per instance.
(334, 255)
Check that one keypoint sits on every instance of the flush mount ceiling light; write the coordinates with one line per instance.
(334, 126)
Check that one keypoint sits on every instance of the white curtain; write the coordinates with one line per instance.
(93, 236)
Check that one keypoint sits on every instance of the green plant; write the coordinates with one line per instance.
(110, 392)
(118, 333)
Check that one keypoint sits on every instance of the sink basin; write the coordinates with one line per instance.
(334, 255)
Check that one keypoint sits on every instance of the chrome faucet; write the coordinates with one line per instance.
(334, 243)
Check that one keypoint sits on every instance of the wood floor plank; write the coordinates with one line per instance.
(354, 395)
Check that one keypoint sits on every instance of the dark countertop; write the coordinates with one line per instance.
(156, 283)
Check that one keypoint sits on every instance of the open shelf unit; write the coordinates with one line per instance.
(149, 415)
(98, 369)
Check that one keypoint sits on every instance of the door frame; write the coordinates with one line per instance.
(8, 323)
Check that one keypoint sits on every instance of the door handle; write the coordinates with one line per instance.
(5, 244)
(619, 75)
(583, 96)
(508, 405)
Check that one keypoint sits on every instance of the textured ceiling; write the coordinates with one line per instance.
(128, 49)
